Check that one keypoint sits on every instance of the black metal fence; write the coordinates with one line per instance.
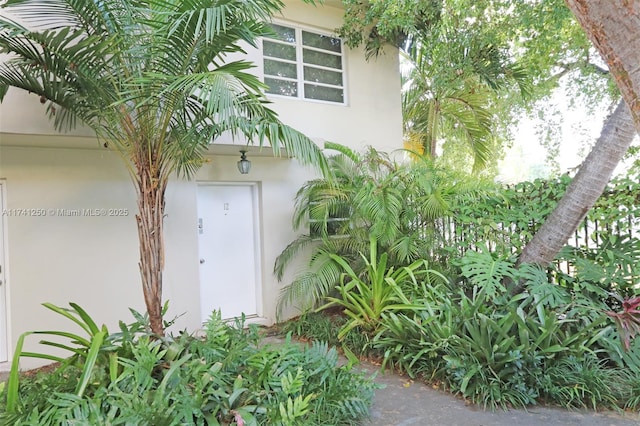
(507, 223)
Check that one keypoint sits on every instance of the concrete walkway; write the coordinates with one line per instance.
(403, 402)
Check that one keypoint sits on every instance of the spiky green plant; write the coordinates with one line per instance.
(366, 297)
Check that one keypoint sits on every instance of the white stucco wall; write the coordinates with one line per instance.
(93, 260)
(58, 257)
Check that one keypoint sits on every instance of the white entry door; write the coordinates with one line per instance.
(3, 284)
(228, 246)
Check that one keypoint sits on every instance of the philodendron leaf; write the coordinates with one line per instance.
(486, 272)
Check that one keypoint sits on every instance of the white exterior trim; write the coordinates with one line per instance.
(4, 289)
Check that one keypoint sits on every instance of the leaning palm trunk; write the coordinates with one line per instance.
(613, 28)
(584, 190)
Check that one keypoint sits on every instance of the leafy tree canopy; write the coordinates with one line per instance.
(511, 47)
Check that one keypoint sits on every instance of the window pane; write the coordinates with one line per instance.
(281, 87)
(322, 76)
(284, 33)
(333, 227)
(280, 69)
(278, 50)
(321, 42)
(311, 91)
(324, 59)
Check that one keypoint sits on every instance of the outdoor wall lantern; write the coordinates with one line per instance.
(244, 165)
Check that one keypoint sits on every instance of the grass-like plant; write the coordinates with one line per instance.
(323, 327)
(583, 382)
(85, 350)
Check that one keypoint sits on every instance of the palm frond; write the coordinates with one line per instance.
(298, 145)
(344, 150)
(290, 252)
(398, 204)
(449, 87)
(312, 286)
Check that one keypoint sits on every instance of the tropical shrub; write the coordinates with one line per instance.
(547, 344)
(584, 382)
(506, 221)
(227, 377)
(367, 296)
(498, 349)
(370, 196)
(98, 347)
(627, 321)
(497, 355)
(490, 356)
(633, 377)
(498, 334)
(608, 272)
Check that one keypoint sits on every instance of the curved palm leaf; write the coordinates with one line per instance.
(448, 90)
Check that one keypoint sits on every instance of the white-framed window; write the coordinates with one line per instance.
(333, 226)
(303, 64)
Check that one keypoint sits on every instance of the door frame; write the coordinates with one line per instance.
(5, 333)
(257, 235)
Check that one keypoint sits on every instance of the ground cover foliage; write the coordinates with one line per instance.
(226, 377)
(459, 311)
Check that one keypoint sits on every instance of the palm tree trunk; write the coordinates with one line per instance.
(151, 187)
(434, 131)
(613, 27)
(584, 190)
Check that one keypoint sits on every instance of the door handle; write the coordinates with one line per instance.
(201, 261)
